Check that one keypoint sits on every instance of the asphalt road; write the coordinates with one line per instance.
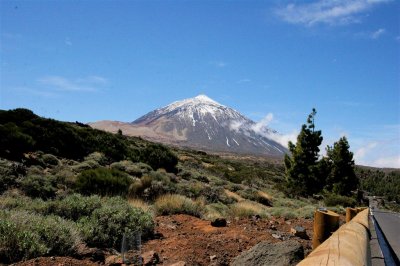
(390, 225)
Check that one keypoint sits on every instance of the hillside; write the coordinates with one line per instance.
(82, 188)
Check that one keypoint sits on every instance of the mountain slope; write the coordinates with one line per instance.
(201, 122)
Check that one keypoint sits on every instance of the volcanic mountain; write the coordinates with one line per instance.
(201, 123)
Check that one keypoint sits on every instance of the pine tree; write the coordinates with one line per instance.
(342, 178)
(302, 166)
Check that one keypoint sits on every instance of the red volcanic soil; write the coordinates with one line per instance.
(184, 238)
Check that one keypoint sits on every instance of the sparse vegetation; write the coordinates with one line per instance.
(74, 191)
(174, 204)
(247, 209)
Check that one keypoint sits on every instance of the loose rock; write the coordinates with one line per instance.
(299, 231)
(266, 253)
(219, 222)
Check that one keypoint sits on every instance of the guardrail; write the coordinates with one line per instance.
(349, 245)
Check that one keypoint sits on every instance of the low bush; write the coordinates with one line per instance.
(285, 212)
(6, 181)
(39, 186)
(50, 160)
(103, 181)
(131, 168)
(74, 206)
(23, 203)
(159, 156)
(42, 235)
(338, 200)
(174, 204)
(106, 225)
(97, 157)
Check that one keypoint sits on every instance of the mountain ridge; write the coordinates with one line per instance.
(201, 123)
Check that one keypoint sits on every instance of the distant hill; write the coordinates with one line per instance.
(201, 123)
(22, 131)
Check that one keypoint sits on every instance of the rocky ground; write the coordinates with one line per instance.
(187, 240)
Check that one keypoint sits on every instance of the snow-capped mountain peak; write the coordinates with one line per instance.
(204, 123)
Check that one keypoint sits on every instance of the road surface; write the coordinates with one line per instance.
(389, 222)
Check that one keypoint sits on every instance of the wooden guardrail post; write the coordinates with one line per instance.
(325, 223)
(350, 213)
(349, 245)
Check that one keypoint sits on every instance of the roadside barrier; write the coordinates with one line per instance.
(352, 212)
(349, 245)
(325, 223)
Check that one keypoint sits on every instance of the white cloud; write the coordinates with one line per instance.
(235, 125)
(360, 153)
(284, 139)
(261, 128)
(90, 83)
(332, 12)
(263, 123)
(378, 33)
(384, 153)
(392, 162)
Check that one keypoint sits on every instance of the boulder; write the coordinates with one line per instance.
(265, 253)
(219, 222)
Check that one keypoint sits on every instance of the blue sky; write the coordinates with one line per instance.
(117, 60)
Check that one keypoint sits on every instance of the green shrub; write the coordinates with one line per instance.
(23, 203)
(74, 206)
(103, 181)
(175, 204)
(39, 186)
(214, 194)
(338, 200)
(158, 156)
(26, 235)
(131, 168)
(35, 170)
(6, 181)
(97, 157)
(50, 160)
(9, 172)
(106, 225)
(85, 165)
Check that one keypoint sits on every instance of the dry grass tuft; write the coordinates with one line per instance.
(264, 195)
(247, 209)
(233, 195)
(174, 204)
(140, 204)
